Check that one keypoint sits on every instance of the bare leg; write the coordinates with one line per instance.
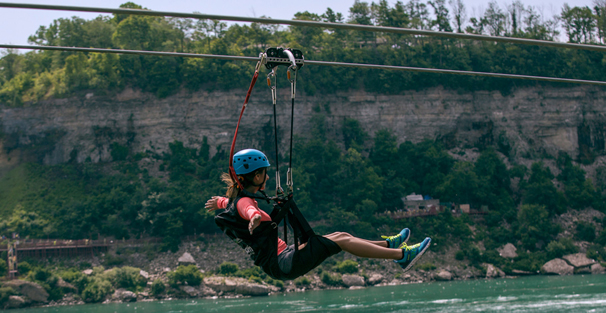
(364, 248)
(380, 243)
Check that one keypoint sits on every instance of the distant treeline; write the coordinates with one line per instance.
(37, 75)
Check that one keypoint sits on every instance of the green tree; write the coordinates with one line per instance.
(460, 185)
(354, 135)
(579, 23)
(459, 14)
(441, 13)
(540, 190)
(578, 190)
(495, 19)
(534, 226)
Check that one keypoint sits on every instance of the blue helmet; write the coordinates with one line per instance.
(248, 161)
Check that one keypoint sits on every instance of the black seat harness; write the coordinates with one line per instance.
(262, 246)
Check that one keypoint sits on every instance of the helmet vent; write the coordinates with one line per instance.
(246, 166)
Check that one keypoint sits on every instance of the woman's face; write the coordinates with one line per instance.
(261, 178)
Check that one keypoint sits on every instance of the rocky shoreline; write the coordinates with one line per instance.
(208, 255)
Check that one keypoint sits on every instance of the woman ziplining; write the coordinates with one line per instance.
(257, 232)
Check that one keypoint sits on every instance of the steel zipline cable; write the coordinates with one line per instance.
(357, 27)
(311, 62)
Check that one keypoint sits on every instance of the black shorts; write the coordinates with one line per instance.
(294, 264)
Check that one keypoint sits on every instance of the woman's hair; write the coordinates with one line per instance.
(245, 179)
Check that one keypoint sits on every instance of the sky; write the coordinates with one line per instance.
(16, 25)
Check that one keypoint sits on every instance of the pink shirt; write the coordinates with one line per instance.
(248, 208)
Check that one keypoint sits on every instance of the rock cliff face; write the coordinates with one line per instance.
(527, 123)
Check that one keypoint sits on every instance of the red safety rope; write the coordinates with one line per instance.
(232, 171)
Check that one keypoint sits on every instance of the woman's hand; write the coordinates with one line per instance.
(212, 204)
(254, 222)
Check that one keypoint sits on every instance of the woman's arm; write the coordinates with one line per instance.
(216, 203)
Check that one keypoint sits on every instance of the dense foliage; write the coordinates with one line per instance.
(37, 75)
(339, 190)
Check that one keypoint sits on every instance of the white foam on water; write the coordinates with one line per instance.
(447, 301)
(568, 296)
(389, 303)
(559, 304)
(502, 298)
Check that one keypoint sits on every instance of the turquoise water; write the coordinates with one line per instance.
(581, 293)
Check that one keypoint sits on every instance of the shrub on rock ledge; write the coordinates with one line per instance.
(97, 290)
(189, 275)
(228, 268)
(302, 281)
(347, 267)
(157, 287)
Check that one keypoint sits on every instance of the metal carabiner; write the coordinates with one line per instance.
(271, 76)
(292, 68)
(262, 61)
(289, 183)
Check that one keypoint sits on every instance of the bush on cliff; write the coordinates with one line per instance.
(76, 278)
(227, 268)
(560, 248)
(597, 252)
(5, 293)
(302, 281)
(97, 290)
(189, 275)
(48, 280)
(585, 231)
(126, 277)
(347, 267)
(157, 287)
(330, 280)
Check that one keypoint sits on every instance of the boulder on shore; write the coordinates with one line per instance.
(15, 302)
(29, 289)
(508, 251)
(190, 291)
(252, 289)
(492, 271)
(67, 287)
(522, 273)
(186, 259)
(375, 279)
(578, 260)
(207, 291)
(124, 295)
(558, 267)
(219, 284)
(353, 280)
(443, 275)
(597, 269)
(144, 274)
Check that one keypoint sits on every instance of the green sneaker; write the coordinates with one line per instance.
(413, 253)
(396, 242)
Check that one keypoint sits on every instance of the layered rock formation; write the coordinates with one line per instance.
(527, 122)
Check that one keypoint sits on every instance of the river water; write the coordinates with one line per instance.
(580, 293)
